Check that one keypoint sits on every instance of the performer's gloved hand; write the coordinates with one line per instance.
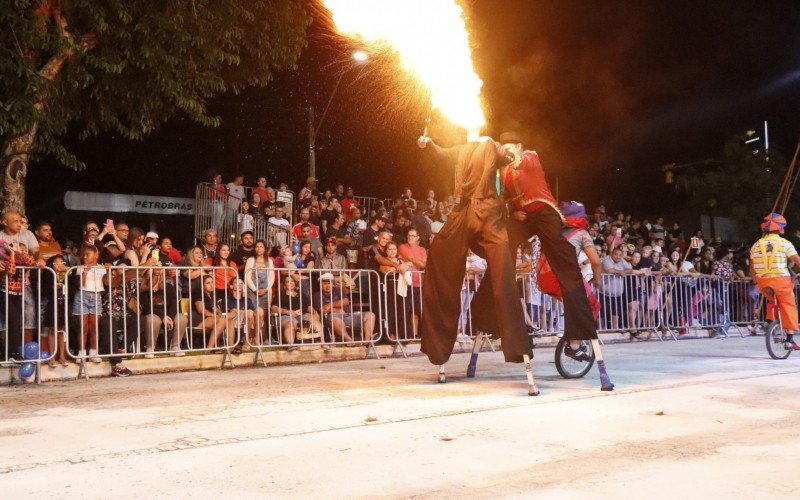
(423, 141)
(519, 215)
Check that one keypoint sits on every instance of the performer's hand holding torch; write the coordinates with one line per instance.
(423, 141)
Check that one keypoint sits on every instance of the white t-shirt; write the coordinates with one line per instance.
(279, 222)
(25, 237)
(236, 195)
(94, 279)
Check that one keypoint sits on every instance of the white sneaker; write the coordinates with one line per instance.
(179, 354)
(93, 356)
(149, 354)
(82, 353)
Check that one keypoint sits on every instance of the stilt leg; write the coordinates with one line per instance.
(532, 389)
(473, 359)
(442, 378)
(605, 382)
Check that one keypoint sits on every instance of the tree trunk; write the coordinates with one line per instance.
(16, 154)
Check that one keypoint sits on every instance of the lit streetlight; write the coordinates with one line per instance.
(360, 57)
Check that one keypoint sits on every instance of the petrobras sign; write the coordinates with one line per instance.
(114, 202)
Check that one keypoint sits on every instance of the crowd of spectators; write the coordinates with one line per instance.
(333, 230)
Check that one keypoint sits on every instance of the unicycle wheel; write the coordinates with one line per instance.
(569, 367)
(776, 342)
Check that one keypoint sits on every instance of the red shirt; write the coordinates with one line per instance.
(347, 204)
(525, 187)
(298, 230)
(408, 251)
(216, 192)
(261, 192)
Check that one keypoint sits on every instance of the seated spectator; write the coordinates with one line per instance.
(12, 282)
(225, 269)
(329, 214)
(243, 315)
(437, 221)
(314, 215)
(430, 202)
(159, 301)
(331, 259)
(206, 315)
(337, 309)
(48, 245)
(244, 251)
(307, 255)
(254, 208)
(168, 251)
(658, 231)
(422, 225)
(294, 310)
(71, 254)
(209, 245)
(278, 219)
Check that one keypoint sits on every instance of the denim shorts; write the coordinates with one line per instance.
(86, 302)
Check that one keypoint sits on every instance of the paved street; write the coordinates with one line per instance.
(695, 418)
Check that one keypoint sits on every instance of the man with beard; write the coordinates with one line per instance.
(478, 223)
(244, 251)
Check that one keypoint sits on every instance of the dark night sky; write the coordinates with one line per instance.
(606, 92)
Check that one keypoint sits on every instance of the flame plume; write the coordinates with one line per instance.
(430, 38)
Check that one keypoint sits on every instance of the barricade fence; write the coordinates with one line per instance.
(28, 313)
(92, 313)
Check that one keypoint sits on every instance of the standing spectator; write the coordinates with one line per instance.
(259, 275)
(13, 284)
(356, 227)
(261, 191)
(331, 259)
(236, 193)
(338, 193)
(48, 246)
(437, 221)
(14, 236)
(348, 203)
(86, 303)
(614, 300)
(216, 194)
(422, 224)
(245, 218)
(53, 311)
(304, 196)
(338, 231)
(408, 199)
(329, 214)
(430, 202)
(376, 224)
(244, 251)
(414, 253)
(71, 254)
(151, 238)
(255, 205)
(314, 214)
(305, 216)
(658, 231)
(305, 234)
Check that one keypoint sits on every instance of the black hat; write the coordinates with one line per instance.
(510, 137)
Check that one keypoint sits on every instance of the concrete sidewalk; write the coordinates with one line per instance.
(701, 418)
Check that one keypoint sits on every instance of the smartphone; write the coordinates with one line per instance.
(155, 256)
(109, 223)
(619, 231)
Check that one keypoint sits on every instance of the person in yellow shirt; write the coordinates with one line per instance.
(769, 266)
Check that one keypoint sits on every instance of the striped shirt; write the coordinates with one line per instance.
(770, 255)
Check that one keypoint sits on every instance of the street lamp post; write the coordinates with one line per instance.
(359, 57)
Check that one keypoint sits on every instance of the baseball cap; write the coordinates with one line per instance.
(151, 234)
(327, 277)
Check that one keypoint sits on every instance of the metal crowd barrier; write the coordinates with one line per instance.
(114, 312)
(315, 308)
(29, 316)
(272, 234)
(218, 211)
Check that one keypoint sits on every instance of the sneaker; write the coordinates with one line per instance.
(119, 370)
(292, 348)
(791, 346)
(82, 353)
(149, 354)
(326, 347)
(178, 354)
(578, 354)
(93, 357)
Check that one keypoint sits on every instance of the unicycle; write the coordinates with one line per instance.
(572, 368)
(775, 336)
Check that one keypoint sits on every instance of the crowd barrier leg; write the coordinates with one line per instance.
(259, 357)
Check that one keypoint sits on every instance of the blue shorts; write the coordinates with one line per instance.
(86, 302)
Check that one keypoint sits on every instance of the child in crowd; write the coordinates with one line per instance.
(87, 303)
(54, 312)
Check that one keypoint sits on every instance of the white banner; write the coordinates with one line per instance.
(113, 202)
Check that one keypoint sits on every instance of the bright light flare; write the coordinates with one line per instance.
(431, 40)
(360, 56)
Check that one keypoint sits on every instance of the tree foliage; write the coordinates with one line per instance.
(743, 188)
(152, 59)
